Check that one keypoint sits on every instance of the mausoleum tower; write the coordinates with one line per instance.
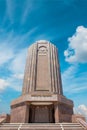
(42, 99)
(42, 71)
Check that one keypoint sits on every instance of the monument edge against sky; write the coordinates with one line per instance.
(42, 99)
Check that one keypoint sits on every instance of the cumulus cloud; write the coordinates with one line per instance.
(76, 53)
(77, 48)
(81, 109)
(3, 84)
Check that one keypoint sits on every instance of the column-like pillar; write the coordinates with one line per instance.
(27, 112)
(56, 112)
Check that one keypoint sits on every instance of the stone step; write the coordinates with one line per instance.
(39, 126)
(40, 129)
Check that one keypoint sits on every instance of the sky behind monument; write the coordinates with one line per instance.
(62, 22)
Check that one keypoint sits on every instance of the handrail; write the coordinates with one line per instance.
(82, 122)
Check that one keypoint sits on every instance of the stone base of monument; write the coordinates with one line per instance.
(41, 109)
(49, 126)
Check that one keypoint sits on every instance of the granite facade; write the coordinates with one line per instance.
(42, 98)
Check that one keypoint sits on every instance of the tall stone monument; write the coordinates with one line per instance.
(42, 99)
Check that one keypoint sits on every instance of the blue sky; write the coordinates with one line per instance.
(62, 22)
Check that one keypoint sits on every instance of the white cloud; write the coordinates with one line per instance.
(27, 10)
(18, 76)
(14, 62)
(77, 49)
(69, 73)
(6, 53)
(15, 83)
(13, 58)
(73, 83)
(17, 66)
(12, 82)
(3, 84)
(67, 77)
(81, 109)
(9, 48)
(10, 9)
(18, 63)
(28, 34)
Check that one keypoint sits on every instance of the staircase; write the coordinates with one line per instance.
(44, 126)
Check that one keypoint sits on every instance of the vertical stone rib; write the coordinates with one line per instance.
(34, 68)
(28, 70)
(54, 73)
(57, 72)
(52, 67)
(31, 69)
(49, 66)
(55, 69)
(61, 89)
(26, 74)
(59, 77)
